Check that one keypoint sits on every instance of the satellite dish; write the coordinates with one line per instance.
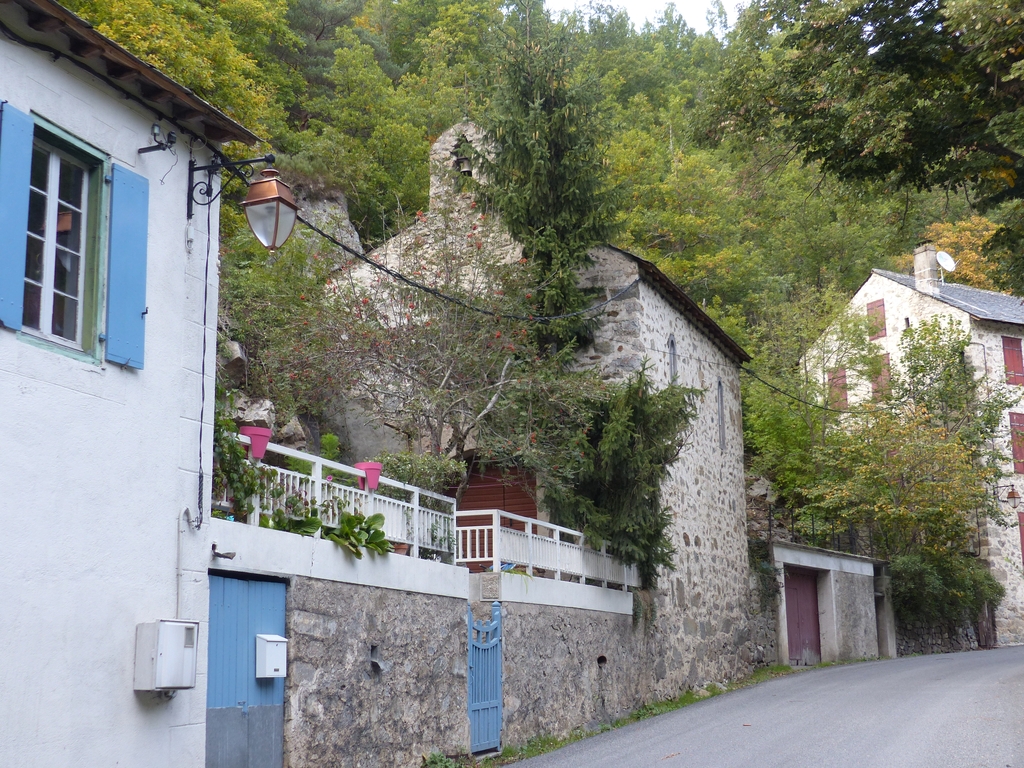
(945, 261)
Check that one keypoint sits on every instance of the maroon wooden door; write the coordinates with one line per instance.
(802, 617)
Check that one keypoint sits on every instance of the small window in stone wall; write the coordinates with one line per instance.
(673, 363)
(721, 416)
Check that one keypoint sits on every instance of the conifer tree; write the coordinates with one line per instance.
(544, 162)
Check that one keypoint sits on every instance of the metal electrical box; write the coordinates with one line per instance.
(271, 656)
(165, 655)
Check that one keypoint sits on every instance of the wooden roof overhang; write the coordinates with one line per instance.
(48, 26)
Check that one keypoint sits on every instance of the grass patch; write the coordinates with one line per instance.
(762, 675)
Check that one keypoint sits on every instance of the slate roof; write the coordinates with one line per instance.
(687, 306)
(978, 303)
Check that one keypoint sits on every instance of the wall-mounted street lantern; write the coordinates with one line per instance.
(269, 206)
(270, 209)
(1012, 497)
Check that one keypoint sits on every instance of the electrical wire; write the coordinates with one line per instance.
(434, 292)
(202, 367)
(753, 374)
(453, 300)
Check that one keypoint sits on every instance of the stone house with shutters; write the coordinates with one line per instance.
(107, 341)
(995, 321)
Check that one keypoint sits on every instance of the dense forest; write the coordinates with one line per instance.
(766, 168)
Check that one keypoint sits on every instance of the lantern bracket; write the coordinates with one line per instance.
(242, 169)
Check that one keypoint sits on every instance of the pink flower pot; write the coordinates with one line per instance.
(372, 470)
(259, 437)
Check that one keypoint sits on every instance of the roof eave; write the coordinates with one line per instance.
(52, 26)
(675, 295)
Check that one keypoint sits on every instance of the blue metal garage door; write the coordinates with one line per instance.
(244, 715)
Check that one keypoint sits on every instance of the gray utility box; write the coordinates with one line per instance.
(165, 655)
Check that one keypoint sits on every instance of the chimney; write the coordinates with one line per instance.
(926, 269)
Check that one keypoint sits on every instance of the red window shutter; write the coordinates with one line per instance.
(876, 319)
(880, 386)
(1017, 441)
(1013, 360)
(837, 389)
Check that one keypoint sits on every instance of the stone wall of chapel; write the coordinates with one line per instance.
(705, 603)
(703, 606)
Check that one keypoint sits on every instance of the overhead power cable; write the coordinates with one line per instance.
(452, 299)
(771, 386)
(754, 375)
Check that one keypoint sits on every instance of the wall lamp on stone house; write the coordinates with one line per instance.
(269, 206)
(1012, 497)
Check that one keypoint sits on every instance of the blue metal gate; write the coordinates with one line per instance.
(244, 714)
(485, 681)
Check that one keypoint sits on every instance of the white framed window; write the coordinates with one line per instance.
(55, 250)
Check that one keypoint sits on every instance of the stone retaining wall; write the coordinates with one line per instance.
(927, 639)
(341, 709)
(566, 668)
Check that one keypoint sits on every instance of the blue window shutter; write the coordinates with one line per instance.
(16, 130)
(126, 279)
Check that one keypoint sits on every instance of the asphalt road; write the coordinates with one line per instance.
(957, 709)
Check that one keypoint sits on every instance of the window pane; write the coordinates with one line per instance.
(40, 168)
(69, 228)
(30, 311)
(34, 259)
(65, 316)
(71, 183)
(65, 272)
(37, 214)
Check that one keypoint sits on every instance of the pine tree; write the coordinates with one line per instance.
(544, 161)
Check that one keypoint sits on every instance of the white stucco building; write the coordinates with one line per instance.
(995, 322)
(108, 304)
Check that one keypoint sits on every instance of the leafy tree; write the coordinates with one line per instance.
(909, 490)
(448, 378)
(920, 95)
(263, 300)
(546, 173)
(936, 375)
(196, 45)
(946, 590)
(800, 339)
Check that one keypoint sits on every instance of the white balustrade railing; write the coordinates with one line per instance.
(539, 546)
(426, 520)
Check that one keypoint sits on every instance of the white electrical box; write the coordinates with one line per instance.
(165, 655)
(271, 656)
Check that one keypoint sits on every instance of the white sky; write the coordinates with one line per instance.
(694, 11)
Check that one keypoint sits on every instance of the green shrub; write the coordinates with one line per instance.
(951, 589)
(431, 471)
